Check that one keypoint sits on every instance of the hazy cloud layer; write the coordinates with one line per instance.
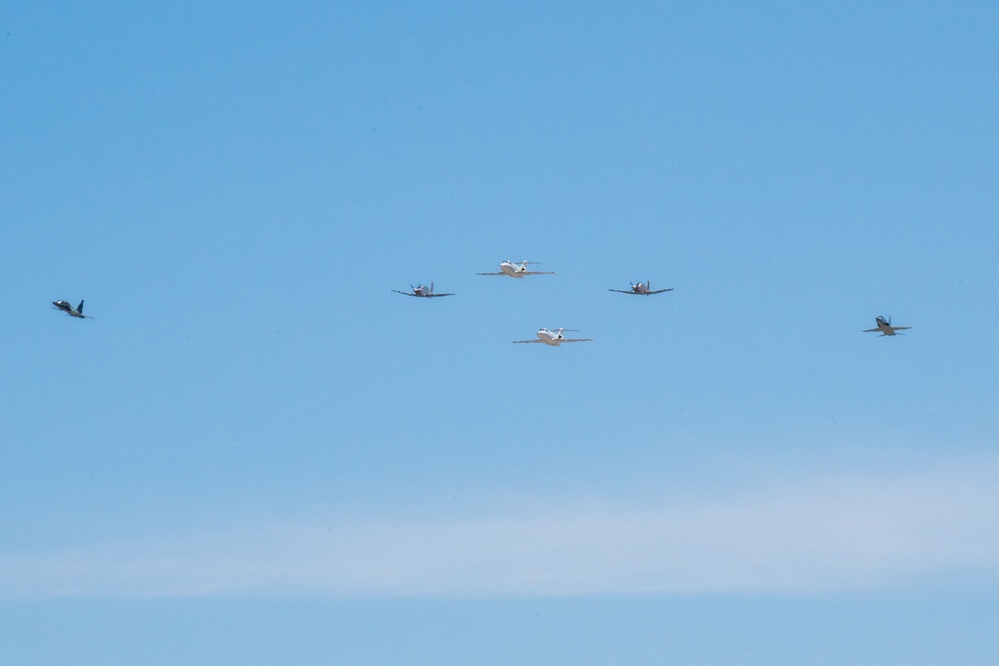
(809, 536)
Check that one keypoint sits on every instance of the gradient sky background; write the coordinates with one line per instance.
(256, 453)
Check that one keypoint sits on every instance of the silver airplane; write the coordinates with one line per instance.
(885, 327)
(518, 270)
(642, 289)
(64, 306)
(552, 338)
(421, 291)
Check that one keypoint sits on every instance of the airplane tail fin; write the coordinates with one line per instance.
(79, 308)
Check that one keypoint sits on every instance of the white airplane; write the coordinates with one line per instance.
(64, 306)
(552, 338)
(885, 327)
(643, 289)
(518, 270)
(421, 291)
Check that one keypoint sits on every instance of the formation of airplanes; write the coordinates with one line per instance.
(555, 337)
(552, 338)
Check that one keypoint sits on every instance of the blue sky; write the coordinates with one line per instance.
(253, 427)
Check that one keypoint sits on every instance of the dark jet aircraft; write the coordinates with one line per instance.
(885, 327)
(64, 306)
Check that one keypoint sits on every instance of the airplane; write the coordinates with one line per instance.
(643, 289)
(64, 306)
(552, 338)
(516, 270)
(885, 327)
(421, 291)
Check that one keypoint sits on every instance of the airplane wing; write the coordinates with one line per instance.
(622, 291)
(490, 273)
(528, 342)
(406, 293)
(900, 328)
(871, 330)
(437, 295)
(575, 340)
(538, 273)
(659, 291)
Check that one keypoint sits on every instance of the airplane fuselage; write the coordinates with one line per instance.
(513, 270)
(885, 327)
(553, 338)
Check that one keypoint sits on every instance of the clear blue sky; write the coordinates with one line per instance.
(255, 452)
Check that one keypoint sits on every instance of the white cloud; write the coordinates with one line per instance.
(812, 536)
